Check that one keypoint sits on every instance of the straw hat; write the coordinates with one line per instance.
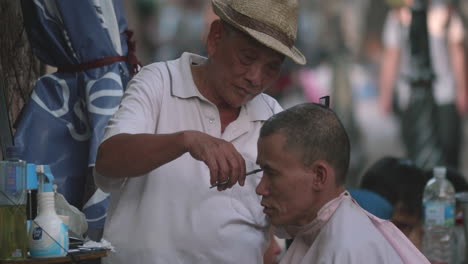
(271, 22)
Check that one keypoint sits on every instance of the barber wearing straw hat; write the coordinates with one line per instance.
(189, 124)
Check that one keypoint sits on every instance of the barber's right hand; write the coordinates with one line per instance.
(221, 157)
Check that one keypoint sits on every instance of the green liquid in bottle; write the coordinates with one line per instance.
(13, 235)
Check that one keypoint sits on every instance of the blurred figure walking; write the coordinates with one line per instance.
(447, 54)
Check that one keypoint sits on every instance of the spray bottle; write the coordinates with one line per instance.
(48, 235)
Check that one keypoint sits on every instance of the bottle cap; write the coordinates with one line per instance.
(13, 152)
(440, 171)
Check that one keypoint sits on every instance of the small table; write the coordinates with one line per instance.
(91, 256)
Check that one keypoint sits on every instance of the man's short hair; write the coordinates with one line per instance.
(315, 133)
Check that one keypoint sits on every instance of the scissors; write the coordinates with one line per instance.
(226, 181)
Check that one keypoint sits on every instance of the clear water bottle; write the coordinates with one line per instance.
(439, 218)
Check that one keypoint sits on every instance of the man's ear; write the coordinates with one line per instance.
(321, 174)
(214, 37)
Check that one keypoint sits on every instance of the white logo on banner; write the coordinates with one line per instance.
(79, 105)
(64, 109)
(103, 93)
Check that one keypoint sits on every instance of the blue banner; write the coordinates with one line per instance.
(63, 122)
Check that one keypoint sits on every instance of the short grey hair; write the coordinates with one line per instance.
(315, 133)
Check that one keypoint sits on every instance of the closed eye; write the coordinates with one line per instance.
(267, 170)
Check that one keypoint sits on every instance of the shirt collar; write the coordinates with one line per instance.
(257, 109)
(185, 87)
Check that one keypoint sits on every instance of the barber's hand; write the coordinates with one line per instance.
(223, 160)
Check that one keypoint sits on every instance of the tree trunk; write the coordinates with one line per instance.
(19, 68)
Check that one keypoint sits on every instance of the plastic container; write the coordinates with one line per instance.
(48, 235)
(439, 219)
(13, 232)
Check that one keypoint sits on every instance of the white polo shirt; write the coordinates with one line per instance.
(170, 215)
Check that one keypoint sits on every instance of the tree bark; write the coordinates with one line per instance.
(19, 68)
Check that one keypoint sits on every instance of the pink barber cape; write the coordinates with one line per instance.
(333, 237)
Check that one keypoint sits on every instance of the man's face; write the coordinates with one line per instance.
(243, 67)
(286, 185)
(409, 224)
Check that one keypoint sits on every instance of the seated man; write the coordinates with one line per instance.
(304, 153)
(400, 182)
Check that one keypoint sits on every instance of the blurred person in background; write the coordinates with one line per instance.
(304, 152)
(446, 42)
(208, 17)
(402, 183)
(186, 124)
